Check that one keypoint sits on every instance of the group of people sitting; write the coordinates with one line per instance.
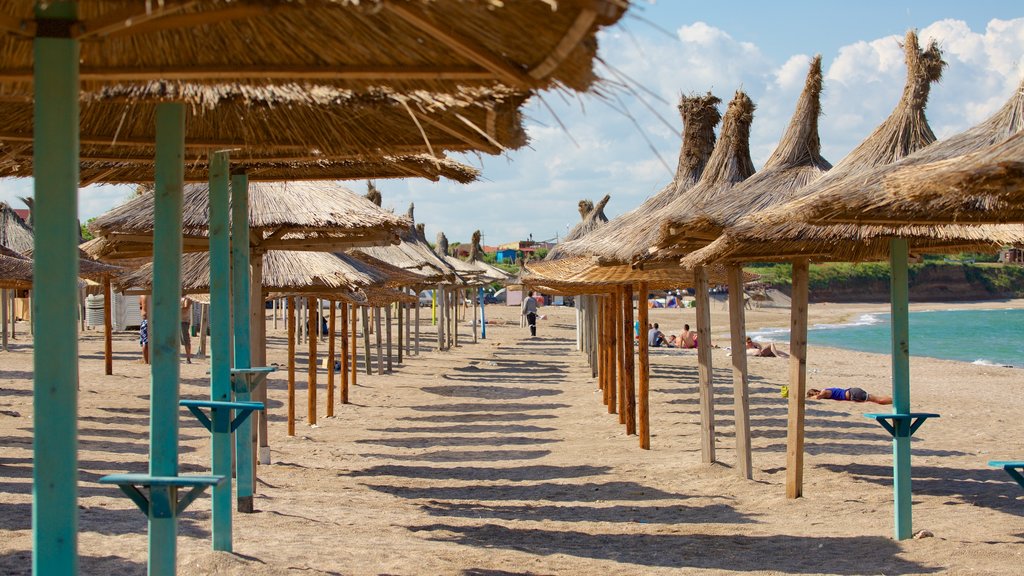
(688, 339)
(657, 339)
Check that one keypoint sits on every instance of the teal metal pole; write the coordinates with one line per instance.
(240, 304)
(483, 316)
(220, 343)
(55, 293)
(900, 386)
(169, 179)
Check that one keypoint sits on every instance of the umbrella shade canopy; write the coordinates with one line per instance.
(272, 127)
(728, 165)
(579, 275)
(795, 163)
(986, 186)
(15, 270)
(284, 271)
(393, 276)
(89, 268)
(417, 45)
(290, 215)
(628, 236)
(886, 196)
(592, 218)
(15, 233)
(414, 254)
(772, 234)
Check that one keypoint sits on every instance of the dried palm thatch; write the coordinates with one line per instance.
(282, 216)
(413, 253)
(393, 276)
(628, 236)
(795, 163)
(381, 296)
(15, 270)
(284, 271)
(869, 201)
(728, 165)
(417, 45)
(15, 233)
(984, 187)
(88, 268)
(579, 275)
(487, 273)
(772, 234)
(269, 130)
(592, 217)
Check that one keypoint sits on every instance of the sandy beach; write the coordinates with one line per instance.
(498, 458)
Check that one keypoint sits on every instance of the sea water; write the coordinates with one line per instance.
(991, 337)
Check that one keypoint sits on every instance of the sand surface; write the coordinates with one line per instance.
(498, 458)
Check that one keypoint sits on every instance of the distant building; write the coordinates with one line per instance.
(1011, 256)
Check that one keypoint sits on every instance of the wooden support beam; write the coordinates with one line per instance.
(343, 392)
(387, 332)
(366, 340)
(354, 345)
(311, 338)
(463, 46)
(263, 72)
(741, 399)
(620, 354)
(629, 384)
(330, 359)
(643, 370)
(379, 340)
(573, 36)
(613, 348)
(108, 345)
(707, 391)
(126, 19)
(291, 366)
(797, 381)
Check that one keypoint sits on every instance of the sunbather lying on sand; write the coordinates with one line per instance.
(850, 394)
(768, 350)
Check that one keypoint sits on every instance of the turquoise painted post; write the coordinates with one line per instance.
(55, 294)
(165, 325)
(240, 303)
(900, 386)
(483, 316)
(220, 342)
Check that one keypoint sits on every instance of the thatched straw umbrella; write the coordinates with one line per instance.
(409, 46)
(592, 218)
(15, 233)
(768, 236)
(968, 178)
(628, 236)
(15, 273)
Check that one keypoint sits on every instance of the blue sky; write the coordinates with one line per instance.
(673, 47)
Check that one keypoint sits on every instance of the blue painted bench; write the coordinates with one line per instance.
(245, 380)
(1012, 467)
(220, 412)
(903, 425)
(162, 500)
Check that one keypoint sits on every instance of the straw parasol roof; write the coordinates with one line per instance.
(728, 165)
(288, 215)
(413, 253)
(592, 217)
(15, 270)
(269, 129)
(986, 186)
(487, 273)
(393, 276)
(772, 234)
(15, 233)
(874, 201)
(579, 275)
(284, 271)
(628, 236)
(412, 45)
(795, 162)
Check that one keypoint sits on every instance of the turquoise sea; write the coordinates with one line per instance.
(992, 337)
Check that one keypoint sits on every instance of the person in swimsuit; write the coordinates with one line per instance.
(847, 394)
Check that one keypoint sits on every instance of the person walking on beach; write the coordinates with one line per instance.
(530, 311)
(186, 327)
(144, 327)
(847, 394)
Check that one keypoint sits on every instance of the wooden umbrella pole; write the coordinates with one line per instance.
(379, 340)
(479, 298)
(311, 379)
(366, 340)
(613, 343)
(400, 309)
(797, 381)
(643, 371)
(620, 354)
(330, 358)
(417, 330)
(204, 319)
(108, 344)
(408, 330)
(456, 305)
(741, 400)
(707, 400)
(3, 316)
(601, 343)
(439, 299)
(343, 357)
(387, 327)
(352, 351)
(291, 366)
(629, 400)
(258, 354)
